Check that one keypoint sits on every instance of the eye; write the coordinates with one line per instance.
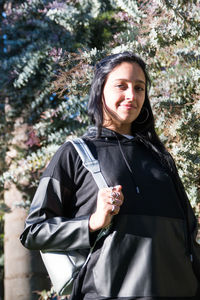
(139, 88)
(121, 86)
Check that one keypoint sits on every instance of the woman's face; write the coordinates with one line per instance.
(123, 97)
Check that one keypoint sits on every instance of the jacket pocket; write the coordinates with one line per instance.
(123, 267)
(145, 257)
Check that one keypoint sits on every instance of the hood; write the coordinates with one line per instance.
(92, 132)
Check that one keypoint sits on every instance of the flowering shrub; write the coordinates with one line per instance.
(48, 70)
(49, 49)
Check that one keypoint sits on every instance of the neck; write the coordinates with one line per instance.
(125, 129)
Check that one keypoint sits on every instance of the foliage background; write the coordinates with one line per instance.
(48, 51)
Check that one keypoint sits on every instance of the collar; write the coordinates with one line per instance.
(105, 133)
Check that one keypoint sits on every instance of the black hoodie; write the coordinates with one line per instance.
(146, 255)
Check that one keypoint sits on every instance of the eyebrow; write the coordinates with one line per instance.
(137, 80)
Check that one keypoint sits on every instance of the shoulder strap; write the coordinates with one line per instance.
(92, 165)
(89, 162)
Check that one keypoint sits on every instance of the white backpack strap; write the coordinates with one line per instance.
(89, 162)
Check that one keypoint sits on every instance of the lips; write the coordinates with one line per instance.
(128, 106)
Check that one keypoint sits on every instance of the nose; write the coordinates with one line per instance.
(130, 94)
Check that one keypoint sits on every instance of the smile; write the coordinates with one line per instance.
(128, 106)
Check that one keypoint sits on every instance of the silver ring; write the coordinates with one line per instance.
(113, 208)
(115, 195)
(112, 201)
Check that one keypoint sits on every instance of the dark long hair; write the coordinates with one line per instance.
(144, 131)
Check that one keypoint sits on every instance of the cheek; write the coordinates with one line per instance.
(105, 97)
(141, 100)
(110, 98)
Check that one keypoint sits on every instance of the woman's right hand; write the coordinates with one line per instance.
(109, 201)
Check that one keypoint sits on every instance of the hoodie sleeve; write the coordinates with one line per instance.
(50, 224)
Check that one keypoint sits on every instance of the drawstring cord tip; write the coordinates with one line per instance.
(191, 257)
(137, 190)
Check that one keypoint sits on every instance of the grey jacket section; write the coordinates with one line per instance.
(148, 260)
(46, 233)
(147, 253)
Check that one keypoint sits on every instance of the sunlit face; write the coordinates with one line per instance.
(123, 97)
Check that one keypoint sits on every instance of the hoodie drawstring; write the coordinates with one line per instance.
(128, 166)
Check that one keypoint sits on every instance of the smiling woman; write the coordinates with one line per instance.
(123, 96)
(150, 252)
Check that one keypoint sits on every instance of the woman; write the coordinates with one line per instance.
(150, 252)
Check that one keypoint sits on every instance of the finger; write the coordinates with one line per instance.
(116, 196)
(114, 210)
(117, 188)
(115, 202)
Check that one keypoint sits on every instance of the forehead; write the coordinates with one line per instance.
(129, 71)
